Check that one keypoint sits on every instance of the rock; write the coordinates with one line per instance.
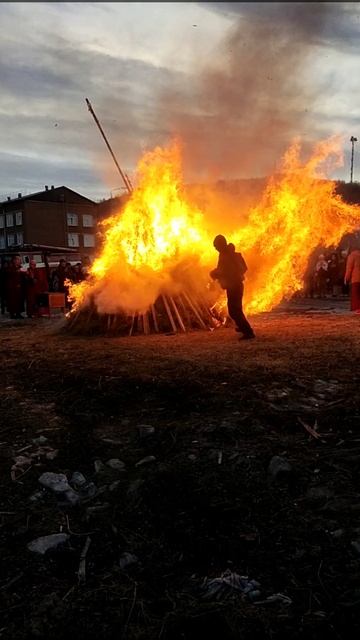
(133, 490)
(117, 443)
(356, 546)
(56, 482)
(116, 464)
(97, 509)
(114, 485)
(146, 430)
(37, 496)
(69, 498)
(319, 494)
(279, 468)
(51, 455)
(127, 560)
(40, 440)
(99, 466)
(192, 457)
(338, 533)
(77, 479)
(6, 451)
(88, 490)
(47, 543)
(145, 460)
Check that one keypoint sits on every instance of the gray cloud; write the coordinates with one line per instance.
(260, 89)
(43, 112)
(236, 113)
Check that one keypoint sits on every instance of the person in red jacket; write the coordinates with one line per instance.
(36, 283)
(15, 289)
(352, 277)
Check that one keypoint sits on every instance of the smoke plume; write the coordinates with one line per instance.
(245, 105)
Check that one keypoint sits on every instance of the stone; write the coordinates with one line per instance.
(47, 543)
(133, 490)
(319, 493)
(77, 479)
(56, 482)
(356, 546)
(99, 466)
(37, 496)
(279, 468)
(40, 440)
(114, 485)
(97, 509)
(116, 464)
(69, 498)
(146, 430)
(145, 460)
(127, 560)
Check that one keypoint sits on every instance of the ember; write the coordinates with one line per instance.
(160, 247)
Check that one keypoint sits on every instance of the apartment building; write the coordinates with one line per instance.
(57, 216)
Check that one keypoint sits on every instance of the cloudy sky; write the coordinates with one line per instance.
(236, 81)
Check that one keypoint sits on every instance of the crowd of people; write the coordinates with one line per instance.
(25, 291)
(330, 274)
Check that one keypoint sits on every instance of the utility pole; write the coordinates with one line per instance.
(124, 176)
(352, 140)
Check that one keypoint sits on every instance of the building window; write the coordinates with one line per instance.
(2, 242)
(89, 240)
(2, 222)
(10, 239)
(73, 239)
(72, 219)
(18, 218)
(88, 220)
(9, 220)
(19, 237)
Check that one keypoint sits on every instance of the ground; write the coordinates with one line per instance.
(206, 503)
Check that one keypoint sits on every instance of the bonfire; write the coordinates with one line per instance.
(152, 274)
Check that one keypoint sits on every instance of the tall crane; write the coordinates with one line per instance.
(123, 175)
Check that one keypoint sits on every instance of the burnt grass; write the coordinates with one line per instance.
(221, 410)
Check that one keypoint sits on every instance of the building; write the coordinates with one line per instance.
(111, 206)
(56, 217)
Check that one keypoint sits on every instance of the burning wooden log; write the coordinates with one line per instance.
(169, 314)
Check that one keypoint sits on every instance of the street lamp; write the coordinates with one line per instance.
(352, 140)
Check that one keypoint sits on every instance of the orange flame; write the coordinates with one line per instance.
(160, 240)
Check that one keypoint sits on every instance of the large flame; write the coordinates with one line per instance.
(161, 242)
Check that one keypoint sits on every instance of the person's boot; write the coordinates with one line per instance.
(248, 336)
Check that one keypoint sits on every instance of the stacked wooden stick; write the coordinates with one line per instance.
(169, 314)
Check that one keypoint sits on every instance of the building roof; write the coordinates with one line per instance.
(39, 195)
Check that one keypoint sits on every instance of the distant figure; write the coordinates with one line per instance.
(3, 276)
(78, 274)
(230, 273)
(352, 277)
(321, 276)
(333, 273)
(15, 289)
(36, 284)
(58, 277)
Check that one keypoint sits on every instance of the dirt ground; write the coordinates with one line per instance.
(205, 504)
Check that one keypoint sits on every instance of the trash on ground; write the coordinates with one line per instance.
(222, 587)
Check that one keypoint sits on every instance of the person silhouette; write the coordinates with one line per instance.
(230, 272)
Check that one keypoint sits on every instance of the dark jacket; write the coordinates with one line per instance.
(230, 270)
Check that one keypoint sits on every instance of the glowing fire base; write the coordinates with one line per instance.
(169, 314)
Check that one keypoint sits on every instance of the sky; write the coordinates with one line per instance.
(236, 82)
